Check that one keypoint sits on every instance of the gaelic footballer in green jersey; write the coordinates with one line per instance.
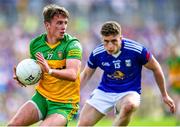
(53, 88)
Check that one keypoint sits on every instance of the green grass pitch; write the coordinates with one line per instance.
(166, 121)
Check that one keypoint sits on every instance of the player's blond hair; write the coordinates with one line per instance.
(110, 28)
(50, 10)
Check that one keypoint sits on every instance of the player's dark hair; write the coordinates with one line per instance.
(110, 28)
(50, 10)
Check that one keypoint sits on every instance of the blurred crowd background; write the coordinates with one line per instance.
(154, 23)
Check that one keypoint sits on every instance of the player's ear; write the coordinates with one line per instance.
(121, 37)
(47, 25)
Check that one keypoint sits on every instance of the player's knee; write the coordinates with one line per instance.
(130, 107)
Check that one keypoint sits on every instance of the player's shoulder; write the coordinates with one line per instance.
(69, 38)
(132, 45)
(71, 42)
(98, 50)
(39, 39)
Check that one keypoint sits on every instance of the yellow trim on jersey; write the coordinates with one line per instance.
(57, 63)
(53, 45)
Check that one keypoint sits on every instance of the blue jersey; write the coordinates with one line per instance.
(123, 72)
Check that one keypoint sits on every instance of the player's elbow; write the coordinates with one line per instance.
(73, 79)
(73, 76)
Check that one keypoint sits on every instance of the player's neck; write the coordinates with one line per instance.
(51, 40)
(116, 54)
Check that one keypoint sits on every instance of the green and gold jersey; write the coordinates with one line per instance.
(53, 88)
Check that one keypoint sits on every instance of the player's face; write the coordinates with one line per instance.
(57, 26)
(112, 43)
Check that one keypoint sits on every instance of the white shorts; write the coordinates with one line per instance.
(104, 102)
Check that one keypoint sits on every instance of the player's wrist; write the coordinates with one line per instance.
(50, 71)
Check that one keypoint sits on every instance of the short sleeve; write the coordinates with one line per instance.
(74, 50)
(92, 62)
(145, 56)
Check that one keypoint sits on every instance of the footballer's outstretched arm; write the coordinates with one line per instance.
(154, 65)
(86, 74)
(158, 74)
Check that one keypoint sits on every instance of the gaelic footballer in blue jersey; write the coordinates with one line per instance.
(122, 72)
(121, 60)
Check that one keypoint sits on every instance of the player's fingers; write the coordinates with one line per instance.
(40, 62)
(42, 68)
(42, 65)
(14, 72)
(14, 69)
(22, 85)
(173, 108)
(39, 55)
(18, 82)
(40, 59)
(171, 105)
(15, 77)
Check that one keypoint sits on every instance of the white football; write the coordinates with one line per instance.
(28, 72)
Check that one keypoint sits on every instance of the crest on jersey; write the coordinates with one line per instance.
(128, 63)
(60, 55)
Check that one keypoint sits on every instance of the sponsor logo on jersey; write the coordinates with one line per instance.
(105, 64)
(117, 75)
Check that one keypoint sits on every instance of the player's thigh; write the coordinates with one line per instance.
(54, 120)
(26, 115)
(89, 116)
(41, 104)
(68, 110)
(131, 101)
